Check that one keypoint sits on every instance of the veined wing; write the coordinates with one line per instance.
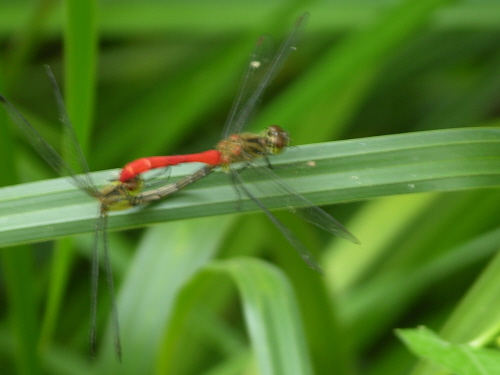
(289, 235)
(260, 72)
(83, 181)
(45, 150)
(301, 206)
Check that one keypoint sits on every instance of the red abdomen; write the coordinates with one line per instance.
(142, 165)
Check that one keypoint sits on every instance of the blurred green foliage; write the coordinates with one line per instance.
(157, 78)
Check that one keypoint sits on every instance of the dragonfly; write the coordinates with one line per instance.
(115, 196)
(237, 147)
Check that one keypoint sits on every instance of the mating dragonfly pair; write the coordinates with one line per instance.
(129, 191)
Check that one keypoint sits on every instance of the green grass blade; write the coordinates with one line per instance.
(341, 171)
(476, 320)
(20, 285)
(471, 321)
(80, 47)
(272, 317)
(166, 260)
(80, 40)
(459, 359)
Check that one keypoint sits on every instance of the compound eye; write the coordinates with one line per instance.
(134, 184)
(277, 139)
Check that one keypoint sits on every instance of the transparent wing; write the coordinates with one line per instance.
(45, 150)
(298, 204)
(83, 181)
(259, 73)
(289, 235)
(100, 248)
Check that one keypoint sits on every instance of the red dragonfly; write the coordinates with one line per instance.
(246, 147)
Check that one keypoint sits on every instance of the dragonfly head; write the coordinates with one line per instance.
(276, 139)
(120, 195)
(134, 185)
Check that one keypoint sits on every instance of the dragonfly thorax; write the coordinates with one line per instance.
(120, 195)
(248, 146)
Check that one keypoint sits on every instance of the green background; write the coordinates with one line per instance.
(227, 294)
